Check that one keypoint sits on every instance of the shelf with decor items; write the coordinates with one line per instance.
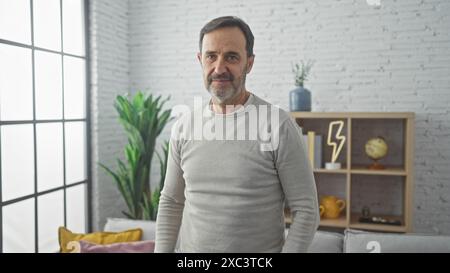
(374, 194)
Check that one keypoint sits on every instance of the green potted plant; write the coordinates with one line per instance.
(300, 98)
(143, 119)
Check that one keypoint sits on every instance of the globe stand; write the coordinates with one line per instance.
(376, 149)
(376, 166)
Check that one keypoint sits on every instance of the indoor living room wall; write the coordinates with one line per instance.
(393, 57)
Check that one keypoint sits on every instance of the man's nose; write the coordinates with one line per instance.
(220, 67)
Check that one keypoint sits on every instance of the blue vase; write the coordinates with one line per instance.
(300, 100)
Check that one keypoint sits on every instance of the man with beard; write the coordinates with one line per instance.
(228, 194)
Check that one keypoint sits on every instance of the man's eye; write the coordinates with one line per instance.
(232, 58)
(210, 57)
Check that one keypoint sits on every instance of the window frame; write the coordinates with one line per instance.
(87, 120)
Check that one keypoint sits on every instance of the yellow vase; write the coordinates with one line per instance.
(331, 207)
(321, 210)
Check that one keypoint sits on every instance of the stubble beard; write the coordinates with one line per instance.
(224, 94)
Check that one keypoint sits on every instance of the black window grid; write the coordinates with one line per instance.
(87, 120)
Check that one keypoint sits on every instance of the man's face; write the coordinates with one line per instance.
(225, 63)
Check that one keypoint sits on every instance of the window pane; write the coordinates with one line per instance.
(76, 208)
(74, 88)
(47, 24)
(16, 89)
(48, 80)
(75, 152)
(15, 21)
(17, 161)
(49, 141)
(73, 27)
(50, 218)
(18, 227)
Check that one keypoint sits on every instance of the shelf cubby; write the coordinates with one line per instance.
(387, 192)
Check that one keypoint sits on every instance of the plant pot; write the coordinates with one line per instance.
(300, 100)
(121, 224)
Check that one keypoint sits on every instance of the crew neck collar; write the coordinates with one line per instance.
(238, 111)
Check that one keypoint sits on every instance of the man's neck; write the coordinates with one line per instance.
(230, 106)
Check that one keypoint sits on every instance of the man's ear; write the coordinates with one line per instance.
(250, 63)
(199, 57)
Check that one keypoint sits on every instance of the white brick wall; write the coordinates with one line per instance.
(110, 76)
(394, 58)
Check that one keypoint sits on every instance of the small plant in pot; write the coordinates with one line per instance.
(143, 119)
(300, 98)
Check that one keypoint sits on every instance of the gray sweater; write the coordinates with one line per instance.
(228, 178)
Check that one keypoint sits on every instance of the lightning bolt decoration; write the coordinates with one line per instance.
(337, 147)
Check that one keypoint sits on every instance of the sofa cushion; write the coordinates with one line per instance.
(119, 224)
(68, 240)
(327, 242)
(357, 241)
(131, 247)
(148, 228)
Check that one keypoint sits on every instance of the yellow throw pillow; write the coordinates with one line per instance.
(67, 238)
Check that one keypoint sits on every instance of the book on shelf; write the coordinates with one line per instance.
(313, 144)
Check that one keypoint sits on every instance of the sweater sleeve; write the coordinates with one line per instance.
(297, 180)
(171, 203)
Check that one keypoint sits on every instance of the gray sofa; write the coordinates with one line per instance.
(357, 241)
(351, 241)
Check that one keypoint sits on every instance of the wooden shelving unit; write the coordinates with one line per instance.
(340, 222)
(349, 182)
(388, 171)
(342, 171)
(389, 228)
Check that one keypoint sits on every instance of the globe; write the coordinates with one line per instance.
(376, 149)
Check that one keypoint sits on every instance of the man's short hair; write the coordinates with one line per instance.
(229, 21)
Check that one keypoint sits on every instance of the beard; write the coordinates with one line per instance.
(225, 92)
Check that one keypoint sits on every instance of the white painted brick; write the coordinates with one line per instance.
(110, 77)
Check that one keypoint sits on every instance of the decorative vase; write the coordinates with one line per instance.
(332, 206)
(300, 100)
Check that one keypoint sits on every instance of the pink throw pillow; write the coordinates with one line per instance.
(130, 247)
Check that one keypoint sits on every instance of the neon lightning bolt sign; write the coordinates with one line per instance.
(341, 138)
